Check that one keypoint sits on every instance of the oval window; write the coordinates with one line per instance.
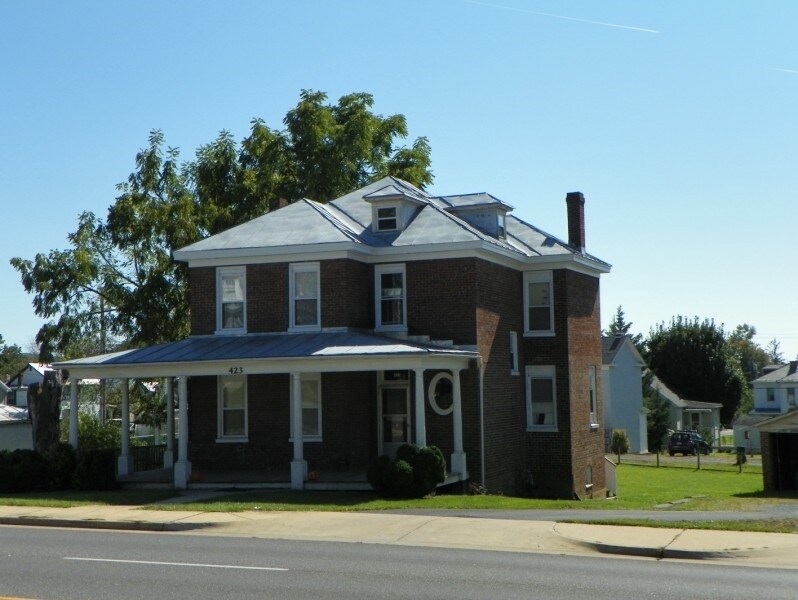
(441, 393)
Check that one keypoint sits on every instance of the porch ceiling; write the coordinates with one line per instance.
(269, 353)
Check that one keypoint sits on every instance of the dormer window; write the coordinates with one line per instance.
(500, 225)
(387, 218)
(392, 208)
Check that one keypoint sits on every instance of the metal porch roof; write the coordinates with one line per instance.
(216, 348)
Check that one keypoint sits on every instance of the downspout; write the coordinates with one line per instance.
(481, 367)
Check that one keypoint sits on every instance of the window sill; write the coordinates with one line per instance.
(539, 334)
(594, 427)
(515, 372)
(542, 428)
(308, 438)
(232, 440)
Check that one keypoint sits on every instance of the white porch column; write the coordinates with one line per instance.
(421, 423)
(73, 412)
(169, 453)
(125, 462)
(458, 456)
(299, 466)
(182, 470)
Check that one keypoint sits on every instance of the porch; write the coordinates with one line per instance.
(348, 481)
(249, 361)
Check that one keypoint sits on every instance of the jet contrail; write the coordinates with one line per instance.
(563, 17)
(791, 71)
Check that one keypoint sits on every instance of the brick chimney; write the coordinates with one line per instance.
(576, 220)
(277, 204)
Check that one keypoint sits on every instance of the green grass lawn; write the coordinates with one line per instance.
(640, 487)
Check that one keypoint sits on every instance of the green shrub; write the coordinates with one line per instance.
(375, 471)
(414, 473)
(398, 478)
(61, 462)
(620, 441)
(429, 469)
(96, 469)
(22, 471)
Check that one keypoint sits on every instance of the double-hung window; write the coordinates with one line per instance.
(310, 390)
(232, 408)
(387, 218)
(538, 303)
(305, 308)
(390, 292)
(541, 399)
(231, 300)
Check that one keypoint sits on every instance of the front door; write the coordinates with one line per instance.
(394, 418)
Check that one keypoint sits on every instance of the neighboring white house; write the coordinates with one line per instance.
(622, 376)
(15, 428)
(688, 414)
(29, 374)
(775, 394)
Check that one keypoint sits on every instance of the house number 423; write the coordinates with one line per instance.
(236, 370)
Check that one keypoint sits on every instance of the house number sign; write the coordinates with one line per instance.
(236, 370)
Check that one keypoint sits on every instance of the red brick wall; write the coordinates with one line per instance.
(202, 300)
(347, 294)
(558, 460)
(440, 299)
(500, 311)
(349, 418)
(584, 350)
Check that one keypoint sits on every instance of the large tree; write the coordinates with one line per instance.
(117, 279)
(694, 359)
(11, 360)
(620, 326)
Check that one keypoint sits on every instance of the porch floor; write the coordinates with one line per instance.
(252, 480)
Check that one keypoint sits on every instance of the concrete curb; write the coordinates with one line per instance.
(98, 524)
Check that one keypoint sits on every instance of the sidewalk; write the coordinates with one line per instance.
(765, 549)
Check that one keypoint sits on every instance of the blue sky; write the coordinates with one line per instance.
(676, 119)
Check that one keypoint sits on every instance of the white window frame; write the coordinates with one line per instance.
(770, 394)
(501, 225)
(378, 220)
(317, 437)
(220, 410)
(222, 272)
(538, 277)
(592, 400)
(540, 372)
(431, 393)
(514, 353)
(380, 270)
(293, 270)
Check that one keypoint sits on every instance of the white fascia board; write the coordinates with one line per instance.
(372, 255)
(266, 366)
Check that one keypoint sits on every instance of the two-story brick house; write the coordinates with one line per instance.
(323, 335)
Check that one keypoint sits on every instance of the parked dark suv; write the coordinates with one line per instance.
(687, 442)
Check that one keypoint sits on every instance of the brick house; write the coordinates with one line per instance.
(323, 335)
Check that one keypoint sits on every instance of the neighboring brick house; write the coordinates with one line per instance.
(382, 317)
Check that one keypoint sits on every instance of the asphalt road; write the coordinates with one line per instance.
(47, 563)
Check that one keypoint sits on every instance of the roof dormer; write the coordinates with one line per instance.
(391, 208)
(483, 211)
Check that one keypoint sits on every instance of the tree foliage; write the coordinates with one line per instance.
(659, 417)
(695, 360)
(751, 356)
(773, 350)
(117, 280)
(12, 360)
(620, 326)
